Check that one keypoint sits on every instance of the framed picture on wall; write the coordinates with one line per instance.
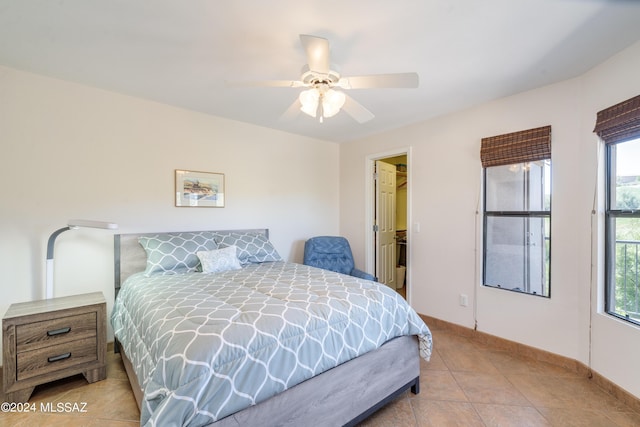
(199, 189)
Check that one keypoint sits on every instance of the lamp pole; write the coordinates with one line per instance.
(50, 245)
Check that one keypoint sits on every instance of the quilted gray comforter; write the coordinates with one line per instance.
(204, 346)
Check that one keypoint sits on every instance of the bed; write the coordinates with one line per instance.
(287, 358)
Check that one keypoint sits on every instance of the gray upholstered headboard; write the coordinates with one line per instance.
(130, 257)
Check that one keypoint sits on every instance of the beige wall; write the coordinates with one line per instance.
(445, 193)
(71, 151)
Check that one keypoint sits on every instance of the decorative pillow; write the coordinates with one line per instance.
(176, 252)
(219, 260)
(252, 247)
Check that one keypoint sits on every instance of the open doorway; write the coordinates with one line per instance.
(388, 215)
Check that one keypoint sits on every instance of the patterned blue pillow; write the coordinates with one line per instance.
(173, 253)
(252, 247)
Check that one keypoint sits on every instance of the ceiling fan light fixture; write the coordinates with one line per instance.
(309, 101)
(332, 102)
(319, 100)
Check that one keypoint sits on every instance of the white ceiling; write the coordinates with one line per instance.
(181, 52)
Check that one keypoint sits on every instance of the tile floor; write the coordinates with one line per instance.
(472, 384)
(464, 384)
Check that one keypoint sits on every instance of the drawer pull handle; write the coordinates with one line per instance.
(59, 357)
(58, 331)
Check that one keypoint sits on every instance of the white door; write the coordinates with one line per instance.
(385, 223)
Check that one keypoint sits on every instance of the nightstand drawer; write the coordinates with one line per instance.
(44, 360)
(55, 331)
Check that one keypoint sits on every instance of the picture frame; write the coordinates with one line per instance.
(197, 189)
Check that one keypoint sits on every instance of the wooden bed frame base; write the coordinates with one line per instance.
(340, 396)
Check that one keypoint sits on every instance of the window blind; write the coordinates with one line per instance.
(620, 122)
(517, 147)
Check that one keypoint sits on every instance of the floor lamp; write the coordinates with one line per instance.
(72, 225)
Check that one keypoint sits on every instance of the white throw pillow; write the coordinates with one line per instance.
(219, 260)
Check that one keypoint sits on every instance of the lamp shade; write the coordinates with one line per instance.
(309, 100)
(332, 102)
(85, 223)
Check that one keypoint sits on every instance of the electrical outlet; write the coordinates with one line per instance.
(464, 300)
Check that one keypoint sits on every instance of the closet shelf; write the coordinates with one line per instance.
(401, 180)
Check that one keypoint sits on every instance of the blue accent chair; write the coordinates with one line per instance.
(332, 253)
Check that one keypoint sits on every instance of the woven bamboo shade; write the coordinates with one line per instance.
(517, 147)
(620, 122)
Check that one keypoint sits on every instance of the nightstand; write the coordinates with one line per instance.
(51, 339)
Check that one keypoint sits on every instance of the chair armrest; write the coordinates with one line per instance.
(362, 275)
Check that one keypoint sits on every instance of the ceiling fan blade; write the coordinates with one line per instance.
(397, 80)
(292, 112)
(356, 110)
(317, 49)
(265, 83)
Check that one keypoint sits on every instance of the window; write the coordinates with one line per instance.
(622, 230)
(517, 211)
(619, 127)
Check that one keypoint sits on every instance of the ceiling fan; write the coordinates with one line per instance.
(322, 99)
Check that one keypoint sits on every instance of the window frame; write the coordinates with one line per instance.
(512, 214)
(610, 240)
